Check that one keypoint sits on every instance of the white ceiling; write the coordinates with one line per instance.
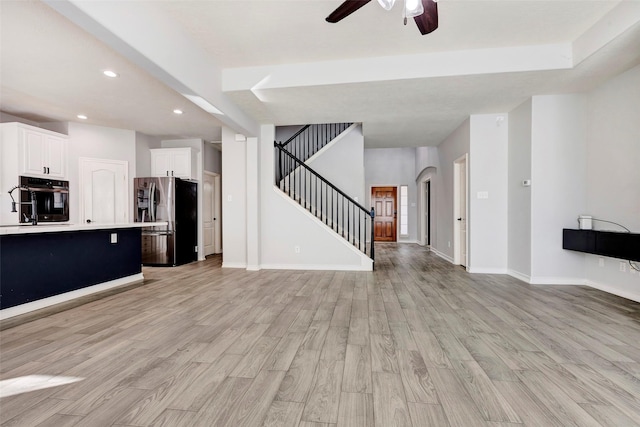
(51, 68)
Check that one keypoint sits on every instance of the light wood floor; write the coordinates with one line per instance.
(418, 342)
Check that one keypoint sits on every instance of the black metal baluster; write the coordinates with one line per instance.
(334, 206)
(342, 214)
(373, 215)
(349, 234)
(365, 234)
(321, 204)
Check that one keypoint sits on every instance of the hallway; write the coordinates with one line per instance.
(416, 342)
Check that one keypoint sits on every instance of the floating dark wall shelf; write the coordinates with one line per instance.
(606, 243)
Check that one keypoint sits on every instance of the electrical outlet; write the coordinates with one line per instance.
(114, 237)
(600, 262)
(296, 249)
(623, 266)
(449, 244)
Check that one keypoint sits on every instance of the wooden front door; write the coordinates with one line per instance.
(384, 201)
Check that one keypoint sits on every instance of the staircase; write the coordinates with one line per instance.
(321, 198)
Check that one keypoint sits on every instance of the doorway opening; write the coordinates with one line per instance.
(385, 203)
(427, 213)
(427, 208)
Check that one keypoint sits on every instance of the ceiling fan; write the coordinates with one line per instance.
(423, 12)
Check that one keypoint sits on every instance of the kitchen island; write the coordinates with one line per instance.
(44, 265)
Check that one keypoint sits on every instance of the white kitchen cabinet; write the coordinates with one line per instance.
(43, 153)
(179, 162)
(28, 151)
(34, 151)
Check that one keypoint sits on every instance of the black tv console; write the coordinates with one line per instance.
(606, 243)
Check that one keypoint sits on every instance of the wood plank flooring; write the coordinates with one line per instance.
(418, 342)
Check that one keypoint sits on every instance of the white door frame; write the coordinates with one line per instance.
(423, 208)
(217, 212)
(457, 188)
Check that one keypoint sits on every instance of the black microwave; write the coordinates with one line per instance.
(52, 199)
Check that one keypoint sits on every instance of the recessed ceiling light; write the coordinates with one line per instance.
(177, 111)
(110, 73)
(82, 117)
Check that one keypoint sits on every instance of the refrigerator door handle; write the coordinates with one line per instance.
(152, 202)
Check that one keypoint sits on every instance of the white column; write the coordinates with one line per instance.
(253, 204)
(234, 200)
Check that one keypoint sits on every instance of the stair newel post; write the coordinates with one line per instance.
(277, 174)
(281, 165)
(373, 215)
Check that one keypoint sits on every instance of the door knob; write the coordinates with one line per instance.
(459, 219)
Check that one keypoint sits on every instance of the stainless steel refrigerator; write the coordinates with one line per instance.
(175, 201)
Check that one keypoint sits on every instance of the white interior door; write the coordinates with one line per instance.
(460, 234)
(462, 218)
(217, 215)
(208, 191)
(104, 191)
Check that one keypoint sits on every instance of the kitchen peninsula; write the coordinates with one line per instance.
(44, 265)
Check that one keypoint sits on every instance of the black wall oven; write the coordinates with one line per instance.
(52, 199)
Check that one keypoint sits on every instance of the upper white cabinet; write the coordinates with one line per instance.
(36, 152)
(179, 162)
(43, 153)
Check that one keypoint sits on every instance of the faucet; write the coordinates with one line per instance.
(32, 201)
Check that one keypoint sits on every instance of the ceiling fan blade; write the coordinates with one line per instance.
(345, 9)
(428, 21)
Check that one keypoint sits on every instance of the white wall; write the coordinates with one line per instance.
(285, 225)
(426, 157)
(453, 147)
(234, 200)
(285, 132)
(212, 158)
(342, 163)
(488, 173)
(143, 156)
(394, 167)
(558, 192)
(8, 118)
(613, 173)
(97, 142)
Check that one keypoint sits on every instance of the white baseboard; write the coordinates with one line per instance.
(253, 267)
(441, 255)
(482, 270)
(545, 280)
(611, 290)
(68, 296)
(520, 276)
(316, 267)
(234, 264)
